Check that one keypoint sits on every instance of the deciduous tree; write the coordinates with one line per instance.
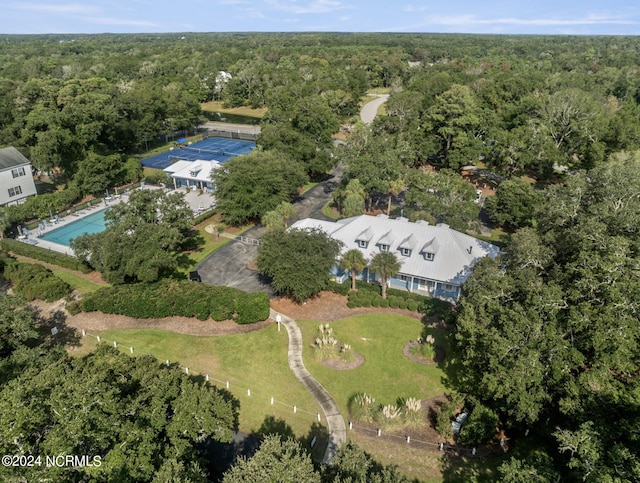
(299, 262)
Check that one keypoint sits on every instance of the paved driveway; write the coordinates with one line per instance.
(228, 266)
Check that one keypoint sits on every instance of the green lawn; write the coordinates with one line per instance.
(78, 283)
(258, 361)
(255, 361)
(386, 374)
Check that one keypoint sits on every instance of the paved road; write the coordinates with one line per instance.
(335, 421)
(370, 109)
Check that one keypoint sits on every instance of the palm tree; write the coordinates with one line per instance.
(393, 189)
(386, 264)
(354, 261)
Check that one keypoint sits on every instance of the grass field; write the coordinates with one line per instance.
(386, 374)
(258, 361)
(77, 282)
(255, 361)
(215, 106)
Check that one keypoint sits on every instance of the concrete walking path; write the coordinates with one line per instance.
(335, 422)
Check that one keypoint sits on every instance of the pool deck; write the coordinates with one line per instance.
(197, 203)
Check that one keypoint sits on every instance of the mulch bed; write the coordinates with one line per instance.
(340, 365)
(182, 325)
(330, 306)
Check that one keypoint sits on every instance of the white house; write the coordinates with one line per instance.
(16, 180)
(435, 259)
(192, 174)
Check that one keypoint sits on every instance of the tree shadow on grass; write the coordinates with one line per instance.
(56, 322)
(462, 469)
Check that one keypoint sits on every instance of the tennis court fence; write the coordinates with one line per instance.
(216, 133)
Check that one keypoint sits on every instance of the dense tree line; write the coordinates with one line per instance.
(549, 333)
(134, 418)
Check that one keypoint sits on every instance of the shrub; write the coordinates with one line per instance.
(412, 409)
(169, 297)
(412, 305)
(402, 304)
(389, 416)
(157, 176)
(362, 407)
(394, 302)
(203, 216)
(44, 255)
(425, 350)
(351, 304)
(480, 426)
(384, 303)
(39, 206)
(376, 301)
(74, 307)
(326, 344)
(339, 288)
(34, 281)
(252, 307)
(445, 414)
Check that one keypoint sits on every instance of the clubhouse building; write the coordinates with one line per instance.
(192, 174)
(435, 259)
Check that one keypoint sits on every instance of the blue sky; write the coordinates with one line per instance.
(579, 17)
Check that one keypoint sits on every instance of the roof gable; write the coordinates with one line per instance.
(11, 157)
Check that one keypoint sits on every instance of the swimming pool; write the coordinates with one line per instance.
(93, 223)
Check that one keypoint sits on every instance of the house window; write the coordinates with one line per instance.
(404, 278)
(363, 243)
(384, 248)
(406, 252)
(449, 288)
(428, 256)
(15, 191)
(16, 172)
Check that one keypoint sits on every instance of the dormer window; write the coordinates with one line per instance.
(363, 243)
(384, 248)
(428, 256)
(406, 252)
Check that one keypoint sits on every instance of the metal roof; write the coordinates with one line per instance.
(455, 253)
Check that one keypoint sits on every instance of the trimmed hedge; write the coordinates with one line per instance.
(368, 295)
(252, 307)
(182, 298)
(38, 253)
(34, 281)
(204, 216)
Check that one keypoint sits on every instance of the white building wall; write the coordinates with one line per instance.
(14, 190)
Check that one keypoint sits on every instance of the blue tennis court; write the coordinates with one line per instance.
(219, 149)
(94, 223)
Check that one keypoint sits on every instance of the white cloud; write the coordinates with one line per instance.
(118, 21)
(413, 8)
(471, 20)
(314, 6)
(69, 8)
